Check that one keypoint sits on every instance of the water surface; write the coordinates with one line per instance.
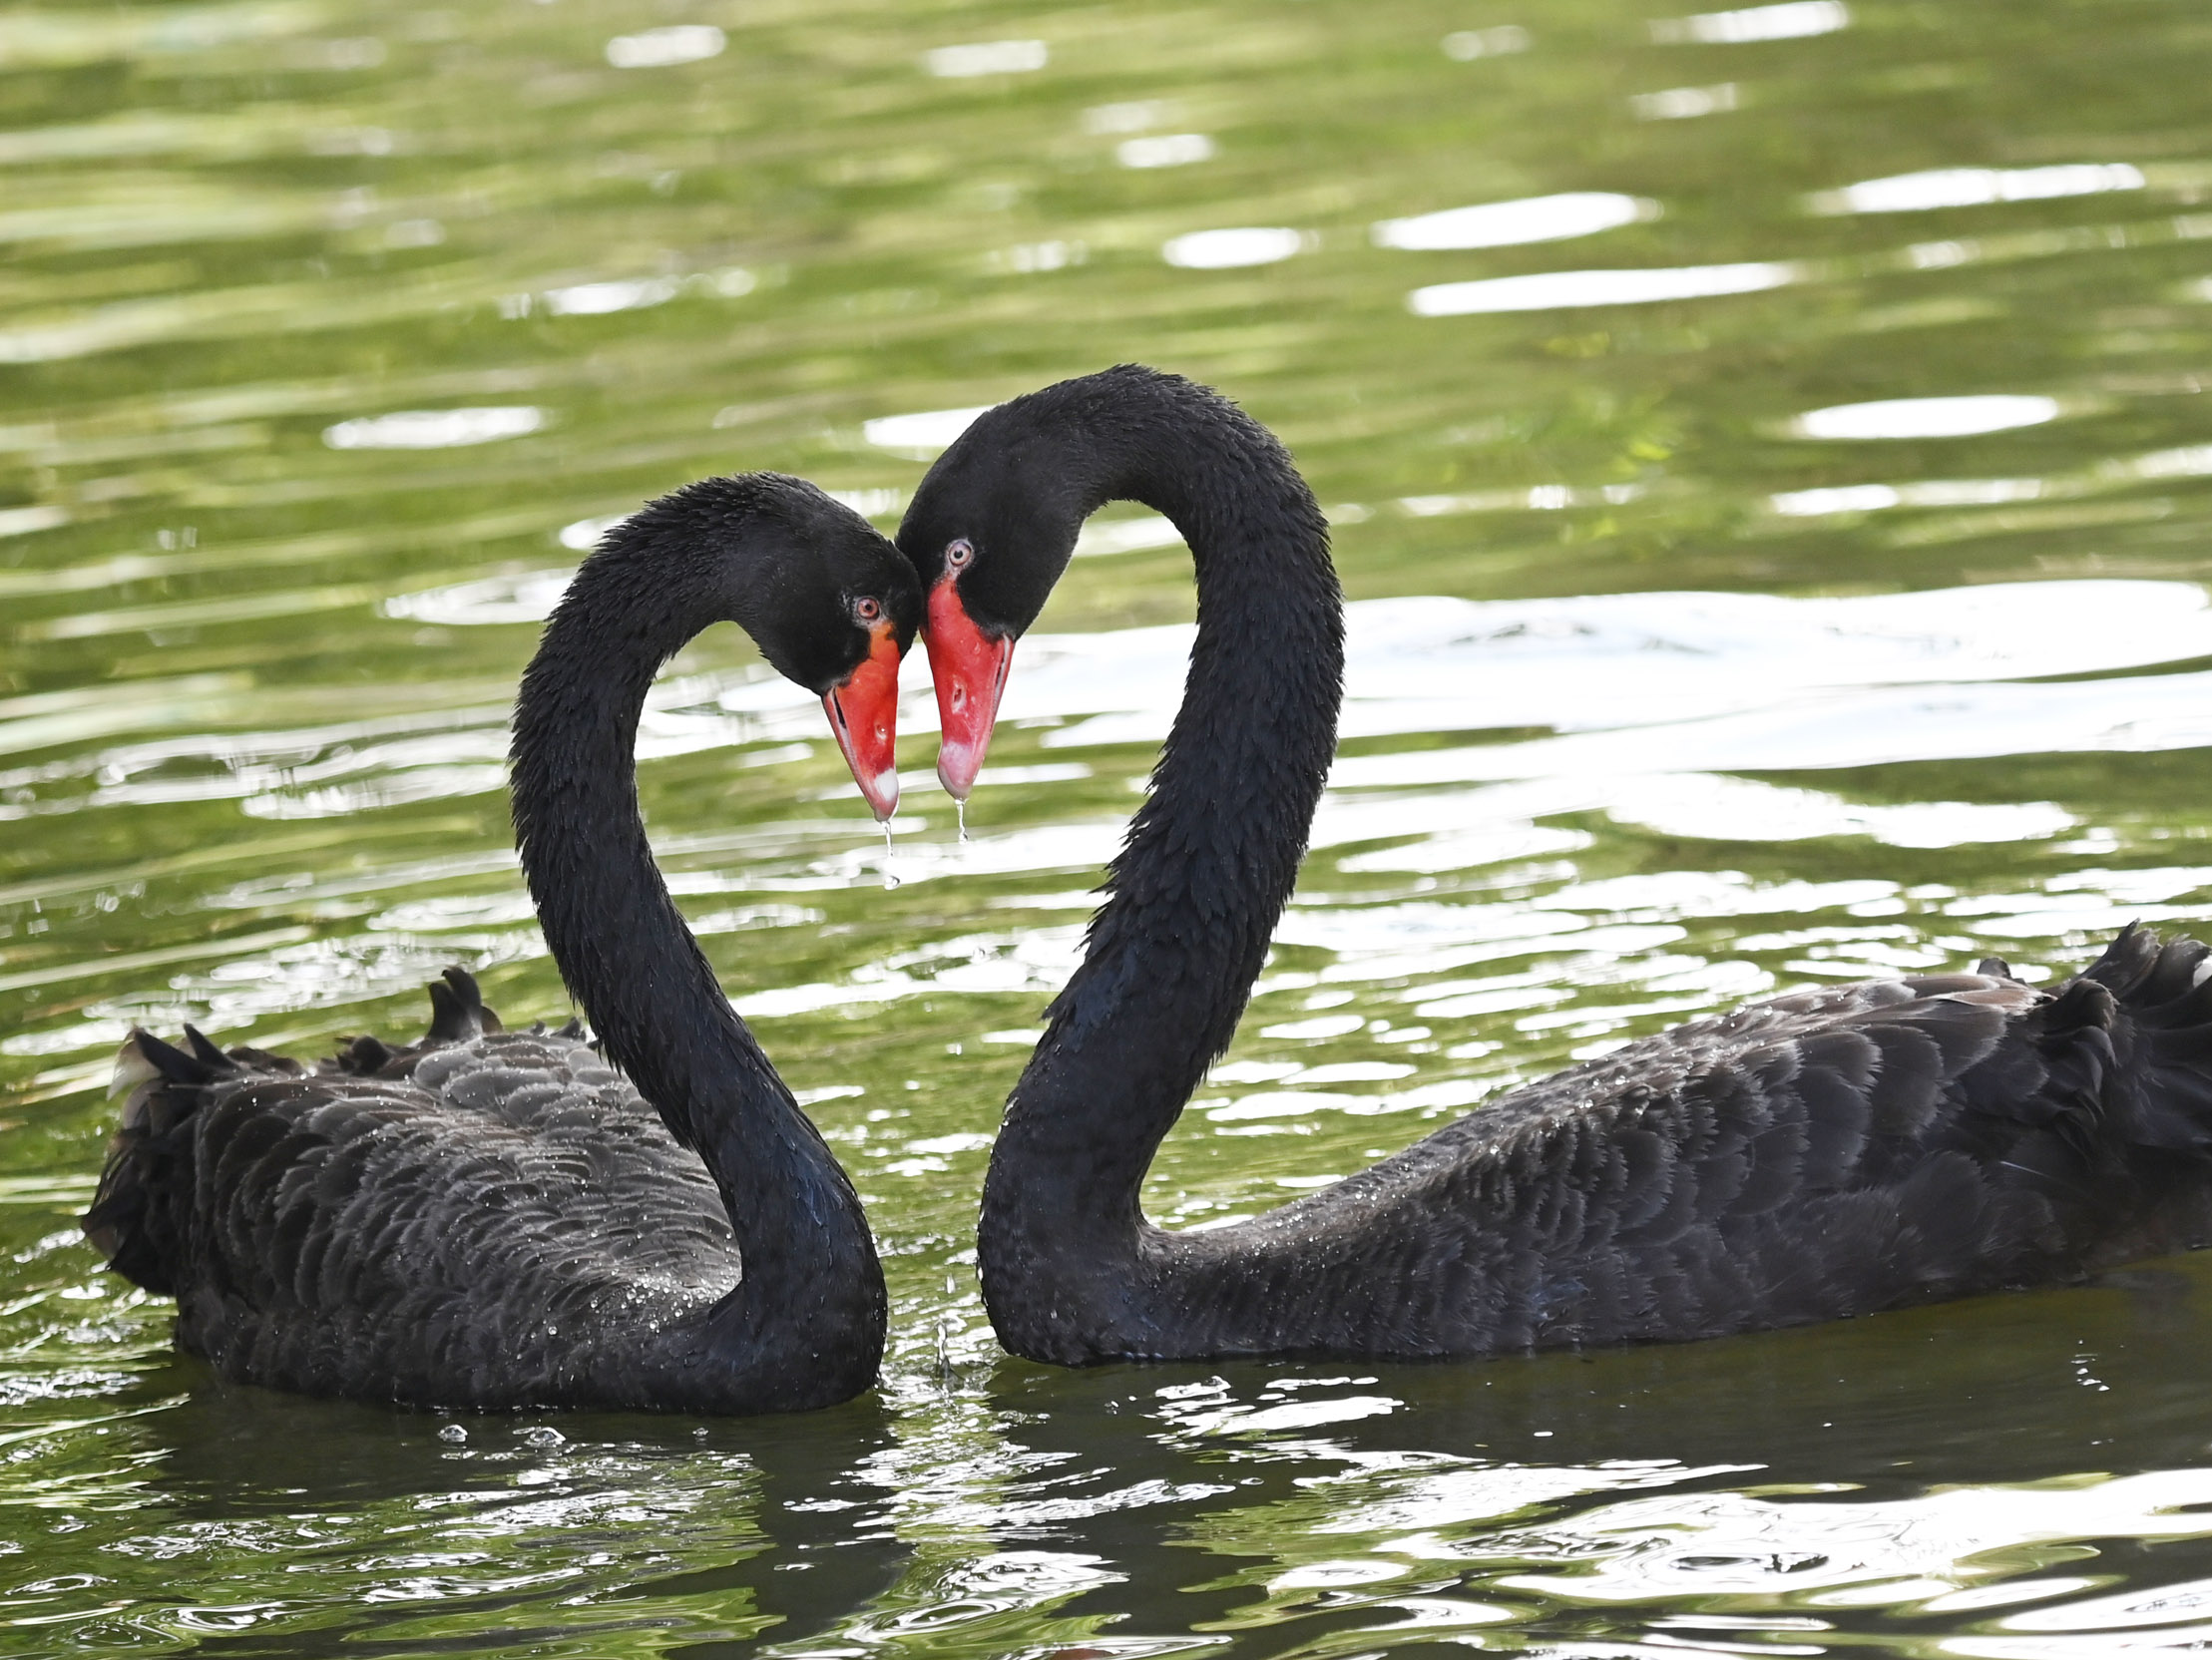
(1768, 456)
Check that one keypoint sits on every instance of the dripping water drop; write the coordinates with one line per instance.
(960, 807)
(889, 879)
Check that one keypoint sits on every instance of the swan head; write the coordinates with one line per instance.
(990, 530)
(825, 596)
(835, 610)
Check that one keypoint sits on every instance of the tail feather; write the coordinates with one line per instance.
(174, 1063)
(2126, 961)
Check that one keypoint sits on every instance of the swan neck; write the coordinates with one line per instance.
(625, 950)
(1209, 860)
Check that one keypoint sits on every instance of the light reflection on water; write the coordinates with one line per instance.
(1766, 451)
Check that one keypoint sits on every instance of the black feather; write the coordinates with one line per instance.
(173, 1064)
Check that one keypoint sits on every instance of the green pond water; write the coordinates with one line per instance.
(1776, 526)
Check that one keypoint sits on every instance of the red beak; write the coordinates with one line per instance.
(970, 668)
(864, 715)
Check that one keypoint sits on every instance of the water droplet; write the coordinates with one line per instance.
(453, 1435)
(960, 807)
(889, 880)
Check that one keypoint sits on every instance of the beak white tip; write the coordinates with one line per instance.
(882, 794)
(955, 770)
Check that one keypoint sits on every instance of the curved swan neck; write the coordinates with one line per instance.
(1210, 859)
(623, 948)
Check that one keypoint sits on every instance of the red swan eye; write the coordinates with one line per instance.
(867, 610)
(959, 552)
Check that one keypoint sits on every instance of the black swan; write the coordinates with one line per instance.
(499, 1219)
(1822, 1155)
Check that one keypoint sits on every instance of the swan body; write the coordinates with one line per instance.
(1819, 1155)
(485, 1218)
(1810, 1157)
(503, 1219)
